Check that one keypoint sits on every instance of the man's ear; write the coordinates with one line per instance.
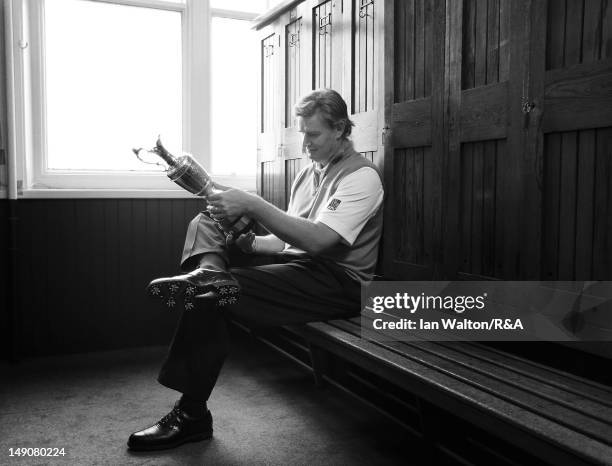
(340, 129)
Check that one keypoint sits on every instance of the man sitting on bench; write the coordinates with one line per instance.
(319, 251)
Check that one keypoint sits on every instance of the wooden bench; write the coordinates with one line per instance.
(537, 413)
(461, 402)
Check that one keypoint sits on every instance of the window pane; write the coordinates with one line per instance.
(113, 81)
(234, 97)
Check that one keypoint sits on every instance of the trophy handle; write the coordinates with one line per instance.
(137, 153)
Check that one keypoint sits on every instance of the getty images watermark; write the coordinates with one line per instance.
(487, 311)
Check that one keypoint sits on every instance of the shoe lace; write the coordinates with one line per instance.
(171, 416)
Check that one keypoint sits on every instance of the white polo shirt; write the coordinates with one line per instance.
(358, 197)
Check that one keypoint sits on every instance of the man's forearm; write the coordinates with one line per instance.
(299, 232)
(269, 244)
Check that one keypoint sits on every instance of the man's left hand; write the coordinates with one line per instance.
(231, 203)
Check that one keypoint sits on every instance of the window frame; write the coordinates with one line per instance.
(27, 113)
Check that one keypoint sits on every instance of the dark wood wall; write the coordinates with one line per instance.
(576, 191)
(5, 324)
(83, 265)
(577, 205)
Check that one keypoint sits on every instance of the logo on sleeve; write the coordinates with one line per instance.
(333, 204)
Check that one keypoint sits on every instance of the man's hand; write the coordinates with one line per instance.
(231, 203)
(246, 242)
(308, 235)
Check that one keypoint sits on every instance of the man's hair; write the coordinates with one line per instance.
(331, 107)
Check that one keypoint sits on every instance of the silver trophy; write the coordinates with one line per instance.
(191, 176)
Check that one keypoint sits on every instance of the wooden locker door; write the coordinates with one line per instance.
(484, 169)
(362, 74)
(296, 72)
(569, 141)
(528, 170)
(320, 66)
(328, 29)
(269, 184)
(319, 42)
(415, 141)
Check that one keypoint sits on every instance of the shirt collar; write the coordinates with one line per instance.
(319, 172)
(344, 149)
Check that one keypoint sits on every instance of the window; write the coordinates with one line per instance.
(233, 97)
(105, 93)
(91, 79)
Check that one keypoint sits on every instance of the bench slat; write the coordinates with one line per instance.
(562, 379)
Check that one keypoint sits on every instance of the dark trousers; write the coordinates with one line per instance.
(285, 291)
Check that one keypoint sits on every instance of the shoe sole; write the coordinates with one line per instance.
(189, 439)
(227, 293)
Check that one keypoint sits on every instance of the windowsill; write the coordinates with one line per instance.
(140, 190)
(104, 194)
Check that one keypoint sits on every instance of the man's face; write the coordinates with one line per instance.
(320, 141)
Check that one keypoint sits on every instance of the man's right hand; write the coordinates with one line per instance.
(246, 242)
